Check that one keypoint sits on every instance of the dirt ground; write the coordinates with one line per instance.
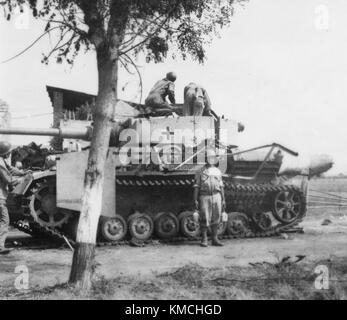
(185, 271)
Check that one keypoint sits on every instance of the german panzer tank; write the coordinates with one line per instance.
(148, 187)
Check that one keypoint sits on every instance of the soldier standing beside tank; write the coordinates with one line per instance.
(209, 198)
(6, 172)
(156, 101)
(196, 101)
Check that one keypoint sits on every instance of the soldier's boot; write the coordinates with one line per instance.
(3, 234)
(215, 240)
(204, 240)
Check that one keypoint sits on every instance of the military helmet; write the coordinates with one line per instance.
(211, 152)
(212, 156)
(5, 148)
(171, 76)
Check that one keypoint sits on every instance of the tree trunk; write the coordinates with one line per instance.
(83, 259)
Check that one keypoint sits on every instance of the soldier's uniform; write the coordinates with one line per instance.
(156, 101)
(5, 180)
(6, 172)
(209, 182)
(196, 101)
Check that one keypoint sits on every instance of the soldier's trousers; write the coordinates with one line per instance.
(4, 223)
(158, 107)
(210, 209)
(193, 106)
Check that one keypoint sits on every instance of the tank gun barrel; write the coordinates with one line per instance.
(70, 133)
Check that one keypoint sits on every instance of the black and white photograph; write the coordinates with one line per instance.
(189, 152)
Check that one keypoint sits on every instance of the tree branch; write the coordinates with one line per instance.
(147, 38)
(140, 31)
(58, 46)
(125, 65)
(30, 46)
(69, 26)
(138, 72)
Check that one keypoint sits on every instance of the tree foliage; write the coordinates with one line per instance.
(156, 28)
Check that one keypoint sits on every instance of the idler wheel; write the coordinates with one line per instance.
(113, 228)
(238, 224)
(287, 206)
(188, 226)
(140, 226)
(166, 225)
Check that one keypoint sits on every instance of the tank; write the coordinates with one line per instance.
(148, 187)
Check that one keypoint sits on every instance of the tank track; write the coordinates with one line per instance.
(37, 230)
(251, 198)
(243, 198)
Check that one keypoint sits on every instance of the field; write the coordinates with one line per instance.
(336, 207)
(282, 267)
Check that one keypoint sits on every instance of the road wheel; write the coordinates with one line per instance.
(166, 225)
(140, 226)
(188, 226)
(238, 224)
(263, 221)
(113, 228)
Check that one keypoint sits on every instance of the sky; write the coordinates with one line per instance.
(280, 68)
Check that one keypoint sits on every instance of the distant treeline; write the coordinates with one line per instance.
(338, 176)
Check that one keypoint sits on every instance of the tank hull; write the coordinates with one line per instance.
(149, 195)
(143, 200)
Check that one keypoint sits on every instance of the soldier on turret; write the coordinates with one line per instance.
(156, 101)
(196, 101)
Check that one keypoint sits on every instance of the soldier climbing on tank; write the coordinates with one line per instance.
(196, 101)
(209, 198)
(7, 172)
(156, 103)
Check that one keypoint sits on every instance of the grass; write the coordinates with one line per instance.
(282, 280)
